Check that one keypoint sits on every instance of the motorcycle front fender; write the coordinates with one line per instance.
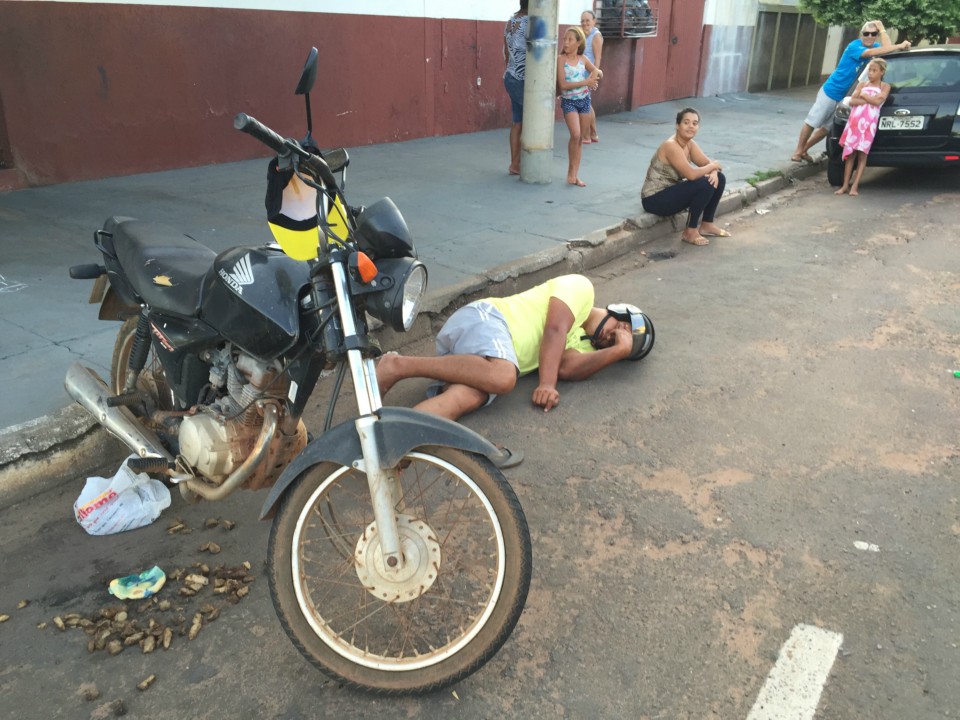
(398, 431)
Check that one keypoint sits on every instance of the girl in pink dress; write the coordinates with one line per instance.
(861, 128)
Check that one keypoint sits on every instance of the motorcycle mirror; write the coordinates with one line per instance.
(307, 77)
(309, 74)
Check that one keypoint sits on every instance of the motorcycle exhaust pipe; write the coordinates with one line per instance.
(239, 476)
(83, 385)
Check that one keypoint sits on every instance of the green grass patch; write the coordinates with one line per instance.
(761, 175)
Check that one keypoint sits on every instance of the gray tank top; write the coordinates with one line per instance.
(660, 175)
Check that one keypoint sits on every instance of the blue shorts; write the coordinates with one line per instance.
(581, 106)
(515, 91)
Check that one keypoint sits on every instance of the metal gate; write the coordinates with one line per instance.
(787, 49)
(627, 18)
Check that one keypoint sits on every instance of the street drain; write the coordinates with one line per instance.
(665, 255)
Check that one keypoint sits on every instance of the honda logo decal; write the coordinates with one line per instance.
(241, 275)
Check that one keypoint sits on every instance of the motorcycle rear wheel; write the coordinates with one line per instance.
(153, 378)
(468, 562)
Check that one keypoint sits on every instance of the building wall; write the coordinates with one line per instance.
(752, 45)
(727, 37)
(96, 89)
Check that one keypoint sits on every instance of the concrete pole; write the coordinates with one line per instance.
(539, 93)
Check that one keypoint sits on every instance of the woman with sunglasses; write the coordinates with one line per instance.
(873, 42)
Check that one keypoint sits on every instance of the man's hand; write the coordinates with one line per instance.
(546, 396)
(624, 341)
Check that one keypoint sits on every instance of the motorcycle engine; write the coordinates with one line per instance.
(219, 437)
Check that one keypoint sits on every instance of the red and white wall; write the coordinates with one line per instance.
(96, 89)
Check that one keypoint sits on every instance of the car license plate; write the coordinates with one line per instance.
(902, 123)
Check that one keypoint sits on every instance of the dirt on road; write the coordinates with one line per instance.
(786, 455)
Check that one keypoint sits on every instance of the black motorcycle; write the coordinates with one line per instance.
(399, 558)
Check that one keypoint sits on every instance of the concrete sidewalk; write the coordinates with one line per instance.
(472, 223)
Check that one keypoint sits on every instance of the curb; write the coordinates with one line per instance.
(42, 454)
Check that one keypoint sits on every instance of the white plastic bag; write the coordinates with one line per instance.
(126, 501)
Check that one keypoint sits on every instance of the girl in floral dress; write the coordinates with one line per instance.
(861, 128)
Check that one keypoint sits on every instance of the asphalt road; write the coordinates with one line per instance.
(687, 512)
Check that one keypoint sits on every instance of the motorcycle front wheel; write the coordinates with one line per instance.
(467, 567)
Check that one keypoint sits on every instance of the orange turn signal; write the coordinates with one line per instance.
(366, 268)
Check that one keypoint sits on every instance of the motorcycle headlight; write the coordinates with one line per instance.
(399, 304)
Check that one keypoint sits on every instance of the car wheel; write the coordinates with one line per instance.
(835, 172)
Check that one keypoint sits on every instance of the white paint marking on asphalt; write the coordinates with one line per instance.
(792, 689)
(10, 286)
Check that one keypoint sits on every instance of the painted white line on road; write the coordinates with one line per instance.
(10, 286)
(792, 689)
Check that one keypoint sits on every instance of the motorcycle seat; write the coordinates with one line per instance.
(165, 267)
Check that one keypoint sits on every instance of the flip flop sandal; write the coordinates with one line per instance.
(722, 233)
(507, 458)
(698, 240)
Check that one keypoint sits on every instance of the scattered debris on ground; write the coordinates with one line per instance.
(193, 598)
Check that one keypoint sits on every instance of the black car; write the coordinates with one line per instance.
(920, 121)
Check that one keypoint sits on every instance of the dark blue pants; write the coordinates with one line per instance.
(698, 195)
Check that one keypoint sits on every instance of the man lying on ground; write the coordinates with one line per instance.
(485, 346)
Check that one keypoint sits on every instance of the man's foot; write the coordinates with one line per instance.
(507, 458)
(513, 171)
(387, 372)
(854, 191)
(801, 157)
(577, 181)
(595, 139)
(840, 191)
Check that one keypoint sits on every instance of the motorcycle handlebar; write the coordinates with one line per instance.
(316, 164)
(255, 128)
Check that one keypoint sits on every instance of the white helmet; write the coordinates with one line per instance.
(640, 324)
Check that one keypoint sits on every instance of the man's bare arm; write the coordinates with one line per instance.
(576, 365)
(555, 329)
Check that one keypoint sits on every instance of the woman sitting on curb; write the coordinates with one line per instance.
(680, 176)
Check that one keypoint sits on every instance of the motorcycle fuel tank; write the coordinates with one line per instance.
(252, 298)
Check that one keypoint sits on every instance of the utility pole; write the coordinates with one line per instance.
(539, 93)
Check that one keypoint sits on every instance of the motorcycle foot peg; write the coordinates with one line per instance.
(149, 465)
(126, 399)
